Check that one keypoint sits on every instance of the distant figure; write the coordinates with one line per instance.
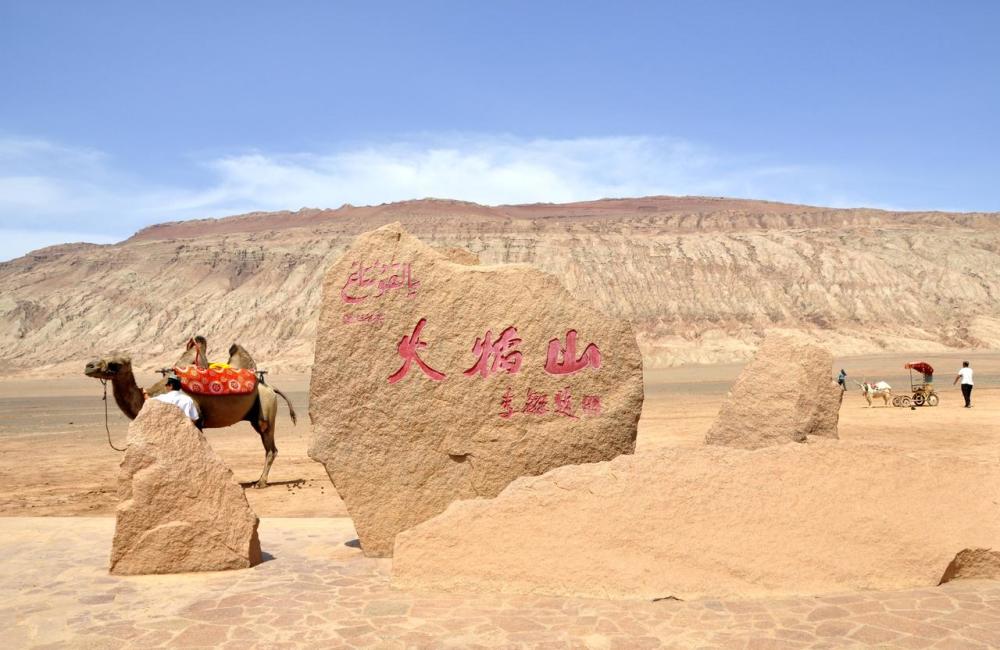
(965, 375)
(842, 380)
(180, 399)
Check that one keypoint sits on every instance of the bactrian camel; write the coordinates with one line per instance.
(259, 408)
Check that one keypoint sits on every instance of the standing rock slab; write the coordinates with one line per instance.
(718, 522)
(436, 380)
(180, 508)
(784, 394)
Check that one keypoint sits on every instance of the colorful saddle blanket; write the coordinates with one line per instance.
(217, 381)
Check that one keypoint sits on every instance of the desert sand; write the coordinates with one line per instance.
(55, 460)
(316, 587)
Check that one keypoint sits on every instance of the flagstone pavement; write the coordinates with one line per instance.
(316, 589)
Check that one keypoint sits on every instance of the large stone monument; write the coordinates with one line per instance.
(180, 507)
(436, 380)
(786, 393)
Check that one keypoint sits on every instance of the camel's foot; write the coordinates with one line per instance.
(262, 483)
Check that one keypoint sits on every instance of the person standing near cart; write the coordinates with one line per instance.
(965, 376)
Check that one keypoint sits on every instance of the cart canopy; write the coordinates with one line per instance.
(920, 366)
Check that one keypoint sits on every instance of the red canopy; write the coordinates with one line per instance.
(920, 366)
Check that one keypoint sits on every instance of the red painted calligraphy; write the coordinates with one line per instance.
(375, 318)
(570, 363)
(507, 404)
(592, 404)
(503, 358)
(407, 348)
(375, 280)
(536, 403)
(564, 403)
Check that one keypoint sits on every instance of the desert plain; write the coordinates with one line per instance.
(58, 497)
(57, 463)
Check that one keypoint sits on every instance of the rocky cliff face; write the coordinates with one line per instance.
(701, 279)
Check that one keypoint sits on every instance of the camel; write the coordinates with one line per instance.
(874, 391)
(259, 408)
(194, 355)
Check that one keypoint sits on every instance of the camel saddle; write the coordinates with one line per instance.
(217, 380)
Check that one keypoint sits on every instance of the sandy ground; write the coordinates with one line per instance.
(316, 590)
(55, 460)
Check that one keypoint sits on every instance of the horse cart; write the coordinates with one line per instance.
(921, 387)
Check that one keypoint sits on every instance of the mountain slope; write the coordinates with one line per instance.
(700, 278)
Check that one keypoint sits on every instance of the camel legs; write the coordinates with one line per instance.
(266, 431)
(263, 421)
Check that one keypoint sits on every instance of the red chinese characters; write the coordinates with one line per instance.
(496, 356)
(537, 403)
(592, 404)
(407, 348)
(570, 363)
(375, 280)
(507, 404)
(564, 403)
(374, 318)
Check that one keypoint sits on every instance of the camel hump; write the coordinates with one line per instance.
(240, 358)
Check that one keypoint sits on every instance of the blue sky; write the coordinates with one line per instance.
(115, 115)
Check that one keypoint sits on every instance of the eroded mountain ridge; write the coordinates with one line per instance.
(701, 279)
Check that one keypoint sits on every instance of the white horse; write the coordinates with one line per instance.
(875, 391)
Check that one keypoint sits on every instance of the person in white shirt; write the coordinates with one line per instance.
(965, 376)
(180, 399)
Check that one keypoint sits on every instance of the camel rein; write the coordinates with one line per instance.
(104, 382)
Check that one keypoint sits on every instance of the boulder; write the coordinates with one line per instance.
(435, 380)
(710, 521)
(785, 393)
(180, 508)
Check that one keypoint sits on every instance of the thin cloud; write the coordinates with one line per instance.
(15, 242)
(46, 187)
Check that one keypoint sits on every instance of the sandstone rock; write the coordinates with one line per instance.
(719, 522)
(785, 393)
(506, 374)
(180, 507)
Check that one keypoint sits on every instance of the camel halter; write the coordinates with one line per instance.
(104, 382)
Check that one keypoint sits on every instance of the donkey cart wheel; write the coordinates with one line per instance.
(918, 399)
(897, 400)
(932, 399)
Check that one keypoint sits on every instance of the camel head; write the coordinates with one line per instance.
(108, 367)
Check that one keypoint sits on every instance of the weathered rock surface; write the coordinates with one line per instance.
(712, 521)
(784, 394)
(180, 507)
(700, 279)
(506, 374)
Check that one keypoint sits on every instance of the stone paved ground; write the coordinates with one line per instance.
(318, 591)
